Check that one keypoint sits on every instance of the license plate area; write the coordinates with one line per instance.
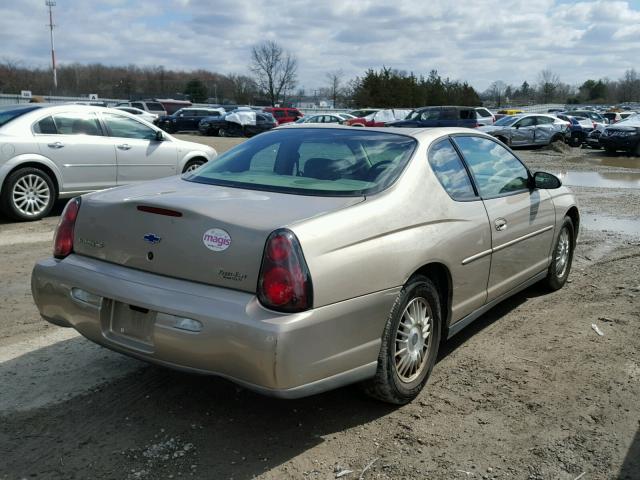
(131, 325)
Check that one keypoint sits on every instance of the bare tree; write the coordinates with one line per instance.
(274, 69)
(496, 92)
(548, 84)
(243, 88)
(335, 85)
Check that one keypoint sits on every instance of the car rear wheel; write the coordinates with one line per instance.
(610, 150)
(409, 344)
(636, 151)
(558, 271)
(574, 141)
(28, 194)
(193, 164)
(223, 132)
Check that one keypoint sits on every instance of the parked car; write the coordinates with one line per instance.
(143, 114)
(187, 119)
(324, 118)
(624, 135)
(146, 105)
(310, 257)
(378, 118)
(284, 115)
(510, 111)
(579, 129)
(595, 117)
(60, 151)
(484, 116)
(528, 129)
(224, 126)
(615, 117)
(440, 117)
(593, 139)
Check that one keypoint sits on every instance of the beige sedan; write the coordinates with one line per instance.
(310, 257)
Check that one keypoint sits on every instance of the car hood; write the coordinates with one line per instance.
(218, 237)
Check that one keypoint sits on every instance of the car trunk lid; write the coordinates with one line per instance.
(203, 233)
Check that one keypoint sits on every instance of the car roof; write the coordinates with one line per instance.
(422, 134)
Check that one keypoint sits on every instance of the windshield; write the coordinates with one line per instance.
(14, 111)
(506, 121)
(321, 162)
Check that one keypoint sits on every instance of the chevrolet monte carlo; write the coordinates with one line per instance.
(310, 257)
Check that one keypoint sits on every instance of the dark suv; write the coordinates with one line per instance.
(186, 119)
(439, 117)
(623, 135)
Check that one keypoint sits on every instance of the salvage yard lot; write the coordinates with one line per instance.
(529, 391)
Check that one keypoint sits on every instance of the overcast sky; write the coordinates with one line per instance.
(478, 41)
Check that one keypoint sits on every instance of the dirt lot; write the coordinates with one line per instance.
(529, 391)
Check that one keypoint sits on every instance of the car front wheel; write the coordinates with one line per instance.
(28, 194)
(193, 164)
(558, 271)
(409, 344)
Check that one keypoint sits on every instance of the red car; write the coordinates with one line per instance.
(284, 115)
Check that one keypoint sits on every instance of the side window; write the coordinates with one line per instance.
(449, 114)
(45, 127)
(77, 124)
(544, 120)
(139, 105)
(430, 114)
(526, 122)
(468, 114)
(496, 171)
(125, 127)
(450, 171)
(278, 114)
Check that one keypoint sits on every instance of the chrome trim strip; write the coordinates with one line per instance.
(67, 165)
(484, 253)
(477, 256)
(520, 239)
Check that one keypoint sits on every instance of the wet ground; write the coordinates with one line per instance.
(528, 391)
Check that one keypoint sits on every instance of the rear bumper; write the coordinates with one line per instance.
(284, 355)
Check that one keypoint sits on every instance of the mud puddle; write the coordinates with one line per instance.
(610, 224)
(600, 179)
(615, 162)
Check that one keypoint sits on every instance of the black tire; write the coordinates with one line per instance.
(387, 385)
(636, 150)
(557, 138)
(574, 141)
(195, 163)
(555, 280)
(610, 150)
(7, 203)
(169, 128)
(222, 132)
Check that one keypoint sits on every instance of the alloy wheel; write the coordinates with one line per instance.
(31, 195)
(413, 340)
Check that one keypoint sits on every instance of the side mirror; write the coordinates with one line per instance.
(159, 136)
(517, 126)
(546, 180)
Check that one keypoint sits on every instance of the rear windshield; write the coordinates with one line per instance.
(155, 106)
(9, 113)
(321, 162)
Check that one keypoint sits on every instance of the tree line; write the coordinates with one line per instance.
(272, 79)
(548, 88)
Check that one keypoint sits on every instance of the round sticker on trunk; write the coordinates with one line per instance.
(216, 239)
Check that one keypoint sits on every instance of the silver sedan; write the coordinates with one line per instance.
(310, 257)
(60, 151)
(528, 129)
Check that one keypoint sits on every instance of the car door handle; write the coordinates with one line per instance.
(124, 146)
(501, 224)
(56, 145)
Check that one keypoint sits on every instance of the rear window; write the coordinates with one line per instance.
(154, 106)
(312, 162)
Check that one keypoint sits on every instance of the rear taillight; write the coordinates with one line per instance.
(63, 239)
(284, 283)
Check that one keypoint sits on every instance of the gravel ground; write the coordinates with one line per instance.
(529, 391)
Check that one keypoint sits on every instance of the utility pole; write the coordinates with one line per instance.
(51, 4)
